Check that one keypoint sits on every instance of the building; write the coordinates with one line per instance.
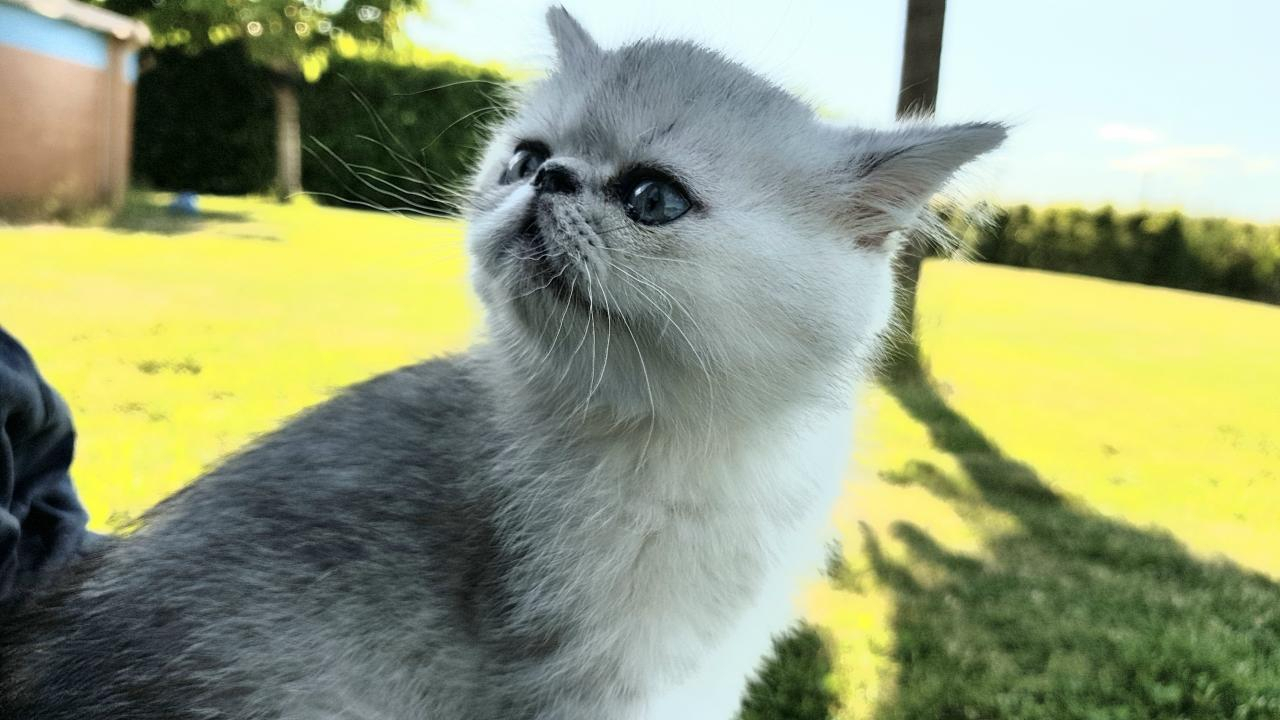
(67, 77)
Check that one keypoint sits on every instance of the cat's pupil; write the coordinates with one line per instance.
(526, 163)
(523, 163)
(654, 202)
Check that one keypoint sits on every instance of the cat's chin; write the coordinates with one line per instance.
(543, 290)
(538, 273)
(549, 279)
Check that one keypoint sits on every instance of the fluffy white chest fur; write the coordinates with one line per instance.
(682, 574)
(801, 473)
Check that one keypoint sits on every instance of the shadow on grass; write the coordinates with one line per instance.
(150, 213)
(792, 685)
(1070, 615)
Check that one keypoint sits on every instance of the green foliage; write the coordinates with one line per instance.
(1204, 254)
(204, 123)
(375, 133)
(280, 34)
(793, 685)
(395, 137)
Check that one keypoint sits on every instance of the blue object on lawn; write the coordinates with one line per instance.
(185, 203)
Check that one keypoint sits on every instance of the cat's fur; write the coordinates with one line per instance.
(600, 513)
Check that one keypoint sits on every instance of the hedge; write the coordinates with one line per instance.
(204, 123)
(395, 137)
(375, 132)
(399, 136)
(1212, 255)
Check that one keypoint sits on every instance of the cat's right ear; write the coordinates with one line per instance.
(890, 176)
(574, 46)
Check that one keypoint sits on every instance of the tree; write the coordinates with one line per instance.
(917, 97)
(290, 39)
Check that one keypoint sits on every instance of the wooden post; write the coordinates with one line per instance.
(917, 97)
(288, 133)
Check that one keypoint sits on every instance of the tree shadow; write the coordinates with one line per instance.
(1068, 615)
(793, 683)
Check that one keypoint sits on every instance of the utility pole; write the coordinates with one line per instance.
(917, 97)
(921, 57)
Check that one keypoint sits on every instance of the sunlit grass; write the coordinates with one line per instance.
(1073, 426)
(178, 344)
(1036, 532)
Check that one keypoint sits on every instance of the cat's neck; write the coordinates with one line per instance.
(645, 403)
(727, 450)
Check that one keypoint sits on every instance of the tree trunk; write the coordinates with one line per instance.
(917, 97)
(288, 138)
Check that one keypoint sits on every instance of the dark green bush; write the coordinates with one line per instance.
(392, 136)
(395, 136)
(204, 123)
(375, 133)
(1211, 255)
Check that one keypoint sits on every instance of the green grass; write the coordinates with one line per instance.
(1067, 614)
(177, 340)
(1076, 515)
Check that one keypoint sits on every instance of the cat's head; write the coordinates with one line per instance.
(658, 220)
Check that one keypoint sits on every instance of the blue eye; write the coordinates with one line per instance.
(655, 202)
(523, 164)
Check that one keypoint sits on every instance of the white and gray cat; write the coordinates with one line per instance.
(601, 512)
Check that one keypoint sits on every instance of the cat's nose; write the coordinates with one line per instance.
(555, 177)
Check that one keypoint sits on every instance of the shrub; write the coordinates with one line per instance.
(1168, 249)
(205, 123)
(393, 136)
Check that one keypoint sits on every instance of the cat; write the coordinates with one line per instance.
(603, 509)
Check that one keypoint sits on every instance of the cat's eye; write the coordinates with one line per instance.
(524, 162)
(655, 201)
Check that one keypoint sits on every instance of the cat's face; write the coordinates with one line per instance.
(665, 202)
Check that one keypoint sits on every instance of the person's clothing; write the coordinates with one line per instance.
(42, 523)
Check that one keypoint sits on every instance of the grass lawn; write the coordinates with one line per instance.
(1078, 517)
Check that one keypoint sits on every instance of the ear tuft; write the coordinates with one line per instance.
(574, 47)
(896, 172)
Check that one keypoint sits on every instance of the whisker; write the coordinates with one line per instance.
(450, 126)
(359, 176)
(608, 314)
(648, 386)
(473, 81)
(629, 278)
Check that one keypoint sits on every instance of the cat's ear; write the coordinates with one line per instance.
(894, 173)
(574, 46)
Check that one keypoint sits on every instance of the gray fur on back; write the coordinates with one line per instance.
(332, 548)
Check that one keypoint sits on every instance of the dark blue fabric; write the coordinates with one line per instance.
(42, 523)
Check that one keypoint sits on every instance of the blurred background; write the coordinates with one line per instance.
(1066, 503)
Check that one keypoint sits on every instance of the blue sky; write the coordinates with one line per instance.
(1133, 102)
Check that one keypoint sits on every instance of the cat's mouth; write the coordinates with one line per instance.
(548, 268)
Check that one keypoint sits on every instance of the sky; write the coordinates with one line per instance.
(1136, 103)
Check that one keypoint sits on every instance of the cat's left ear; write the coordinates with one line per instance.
(895, 173)
(574, 46)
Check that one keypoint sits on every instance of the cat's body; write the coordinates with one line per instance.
(335, 571)
(601, 513)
